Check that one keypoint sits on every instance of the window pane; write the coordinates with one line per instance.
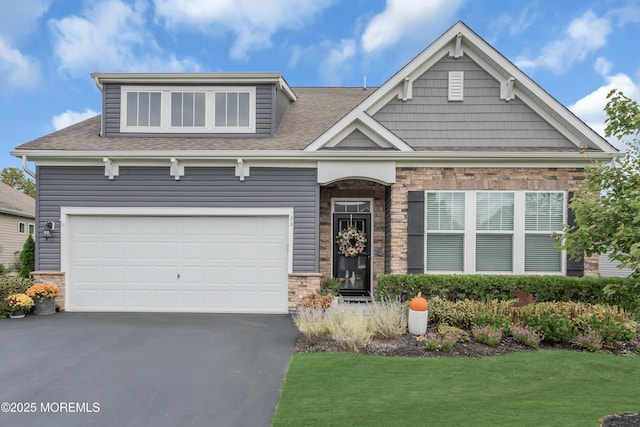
(21, 227)
(32, 228)
(199, 109)
(143, 109)
(544, 211)
(154, 100)
(445, 211)
(132, 108)
(445, 252)
(243, 109)
(494, 211)
(494, 252)
(176, 109)
(232, 109)
(221, 109)
(540, 254)
(187, 109)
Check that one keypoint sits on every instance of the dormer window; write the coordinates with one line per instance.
(218, 109)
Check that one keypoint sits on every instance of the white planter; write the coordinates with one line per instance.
(418, 322)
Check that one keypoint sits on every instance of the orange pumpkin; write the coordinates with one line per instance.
(418, 303)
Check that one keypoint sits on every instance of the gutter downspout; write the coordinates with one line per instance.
(26, 168)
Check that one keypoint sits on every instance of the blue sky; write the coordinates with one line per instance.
(576, 50)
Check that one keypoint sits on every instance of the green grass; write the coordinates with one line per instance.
(541, 388)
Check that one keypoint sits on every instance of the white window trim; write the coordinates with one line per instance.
(519, 233)
(165, 109)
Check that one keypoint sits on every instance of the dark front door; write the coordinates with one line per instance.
(352, 260)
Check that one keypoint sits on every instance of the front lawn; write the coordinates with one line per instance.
(540, 388)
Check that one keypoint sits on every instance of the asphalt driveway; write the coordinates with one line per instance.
(135, 369)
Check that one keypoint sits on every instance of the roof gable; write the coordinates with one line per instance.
(457, 42)
(14, 202)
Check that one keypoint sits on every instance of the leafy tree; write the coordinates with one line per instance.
(607, 207)
(28, 257)
(15, 178)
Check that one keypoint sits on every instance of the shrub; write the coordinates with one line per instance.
(311, 322)
(349, 328)
(329, 286)
(557, 328)
(460, 334)
(495, 320)
(489, 335)
(28, 257)
(589, 339)
(487, 287)
(387, 319)
(439, 342)
(527, 335)
(315, 300)
(458, 314)
(610, 330)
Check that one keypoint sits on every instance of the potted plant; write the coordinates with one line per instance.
(17, 305)
(44, 296)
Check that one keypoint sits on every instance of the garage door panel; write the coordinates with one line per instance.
(200, 264)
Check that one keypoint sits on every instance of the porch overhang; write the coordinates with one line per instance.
(383, 172)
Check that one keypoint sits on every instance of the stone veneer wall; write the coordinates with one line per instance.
(55, 278)
(300, 285)
(460, 178)
(353, 189)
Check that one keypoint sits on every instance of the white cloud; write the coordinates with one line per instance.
(70, 117)
(403, 17)
(591, 107)
(335, 64)
(253, 22)
(16, 69)
(110, 35)
(515, 25)
(602, 66)
(18, 18)
(584, 35)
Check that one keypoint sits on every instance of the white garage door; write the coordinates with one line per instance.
(181, 264)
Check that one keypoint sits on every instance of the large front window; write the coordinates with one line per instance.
(194, 110)
(493, 231)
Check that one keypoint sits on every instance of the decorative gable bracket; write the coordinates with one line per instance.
(407, 90)
(507, 89)
(242, 170)
(457, 51)
(111, 169)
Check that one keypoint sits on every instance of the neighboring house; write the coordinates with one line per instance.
(609, 268)
(222, 192)
(17, 221)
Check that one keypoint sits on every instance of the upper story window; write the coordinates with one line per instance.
(194, 110)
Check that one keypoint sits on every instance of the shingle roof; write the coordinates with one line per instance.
(15, 202)
(315, 110)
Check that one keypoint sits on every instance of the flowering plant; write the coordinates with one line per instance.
(489, 335)
(351, 241)
(527, 335)
(42, 291)
(18, 302)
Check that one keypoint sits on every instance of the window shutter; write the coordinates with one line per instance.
(574, 268)
(415, 232)
(456, 85)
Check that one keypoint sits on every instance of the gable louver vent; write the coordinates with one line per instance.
(456, 85)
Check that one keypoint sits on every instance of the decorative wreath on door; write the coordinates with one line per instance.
(351, 241)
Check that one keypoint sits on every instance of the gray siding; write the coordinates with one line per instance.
(482, 119)
(200, 187)
(264, 109)
(282, 106)
(357, 139)
(609, 268)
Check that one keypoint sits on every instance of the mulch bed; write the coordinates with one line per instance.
(406, 345)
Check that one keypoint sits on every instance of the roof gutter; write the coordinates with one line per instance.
(26, 168)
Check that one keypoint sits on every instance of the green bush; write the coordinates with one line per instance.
(28, 257)
(444, 312)
(557, 328)
(487, 287)
(495, 320)
(610, 330)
